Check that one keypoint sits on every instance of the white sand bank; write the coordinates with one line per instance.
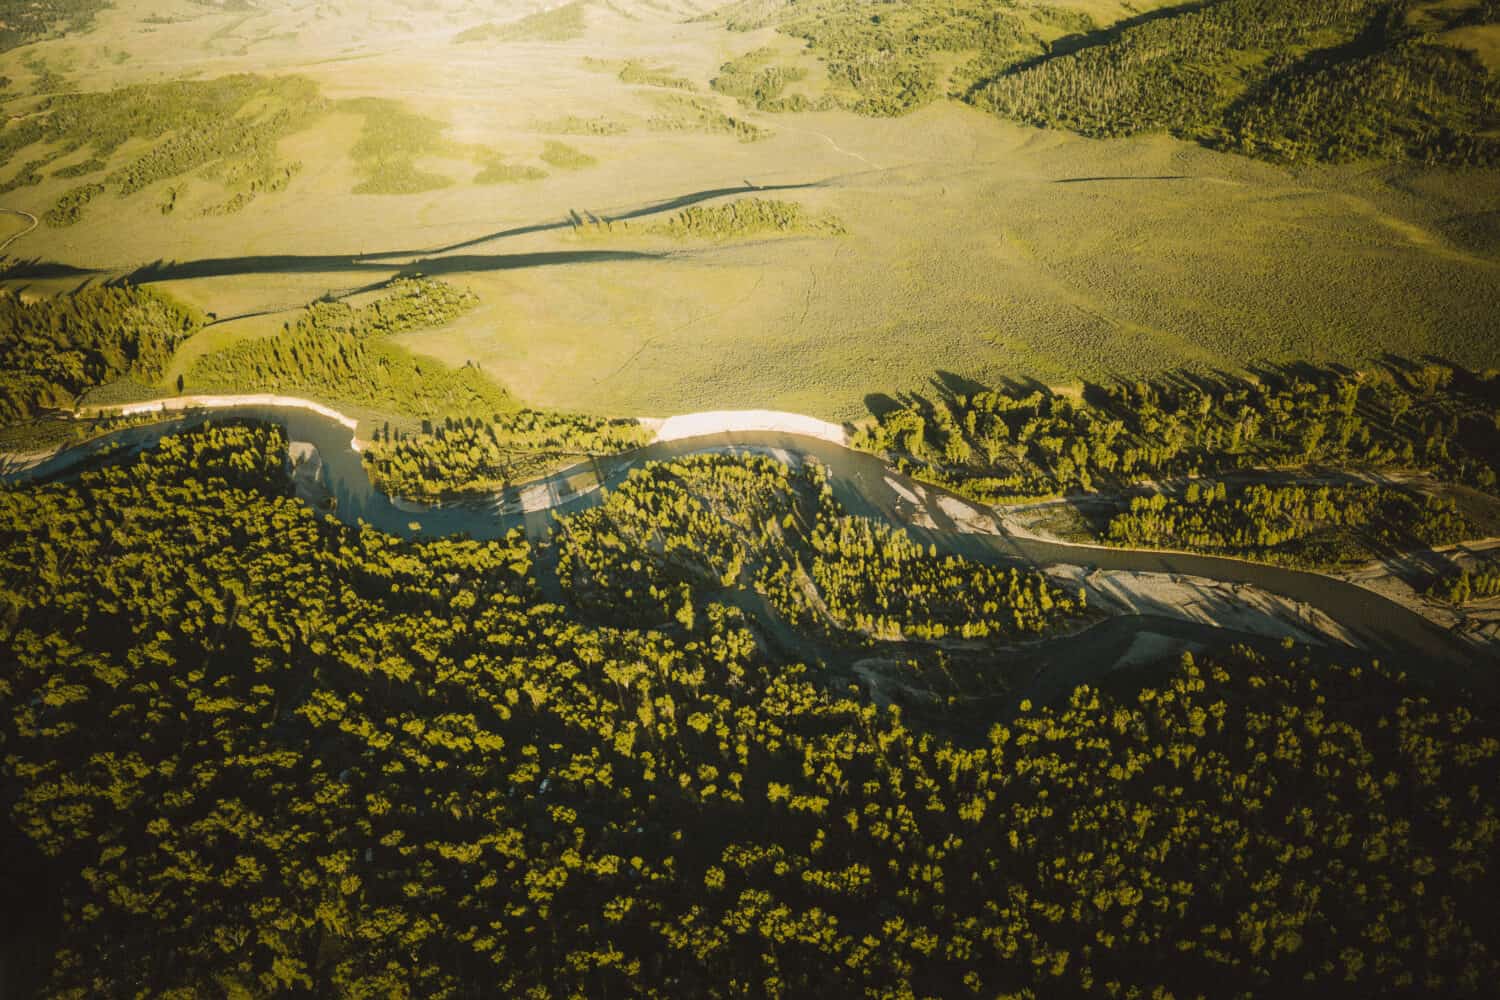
(1207, 602)
(691, 425)
(178, 403)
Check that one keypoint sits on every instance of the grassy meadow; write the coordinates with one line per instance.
(465, 141)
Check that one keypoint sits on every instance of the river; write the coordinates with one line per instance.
(863, 483)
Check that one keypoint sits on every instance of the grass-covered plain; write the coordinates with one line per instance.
(973, 245)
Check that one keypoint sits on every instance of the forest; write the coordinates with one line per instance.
(25, 21)
(1029, 442)
(55, 349)
(486, 454)
(1292, 79)
(1320, 527)
(890, 61)
(341, 354)
(251, 751)
(708, 524)
(1326, 80)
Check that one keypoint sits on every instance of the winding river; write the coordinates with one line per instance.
(863, 483)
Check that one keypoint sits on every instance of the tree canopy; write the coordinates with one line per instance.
(258, 752)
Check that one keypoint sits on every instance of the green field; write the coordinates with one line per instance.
(972, 245)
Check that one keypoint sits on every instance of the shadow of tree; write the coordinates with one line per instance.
(431, 260)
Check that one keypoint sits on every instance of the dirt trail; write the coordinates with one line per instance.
(15, 236)
(830, 140)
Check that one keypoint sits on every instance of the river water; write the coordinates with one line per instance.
(863, 483)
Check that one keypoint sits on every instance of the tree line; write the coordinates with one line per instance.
(1314, 526)
(996, 446)
(474, 454)
(53, 350)
(342, 354)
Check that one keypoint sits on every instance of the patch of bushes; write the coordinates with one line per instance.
(758, 81)
(565, 157)
(578, 125)
(68, 209)
(226, 128)
(390, 143)
(680, 113)
(643, 75)
(500, 172)
(746, 217)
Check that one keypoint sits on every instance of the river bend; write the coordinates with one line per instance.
(863, 483)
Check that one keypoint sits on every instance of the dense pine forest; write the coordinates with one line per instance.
(1295, 79)
(672, 533)
(699, 728)
(248, 751)
(1031, 442)
(55, 349)
(1328, 80)
(478, 455)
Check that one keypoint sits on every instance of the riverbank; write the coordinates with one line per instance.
(177, 404)
(709, 422)
(1477, 621)
(1193, 591)
(1203, 601)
